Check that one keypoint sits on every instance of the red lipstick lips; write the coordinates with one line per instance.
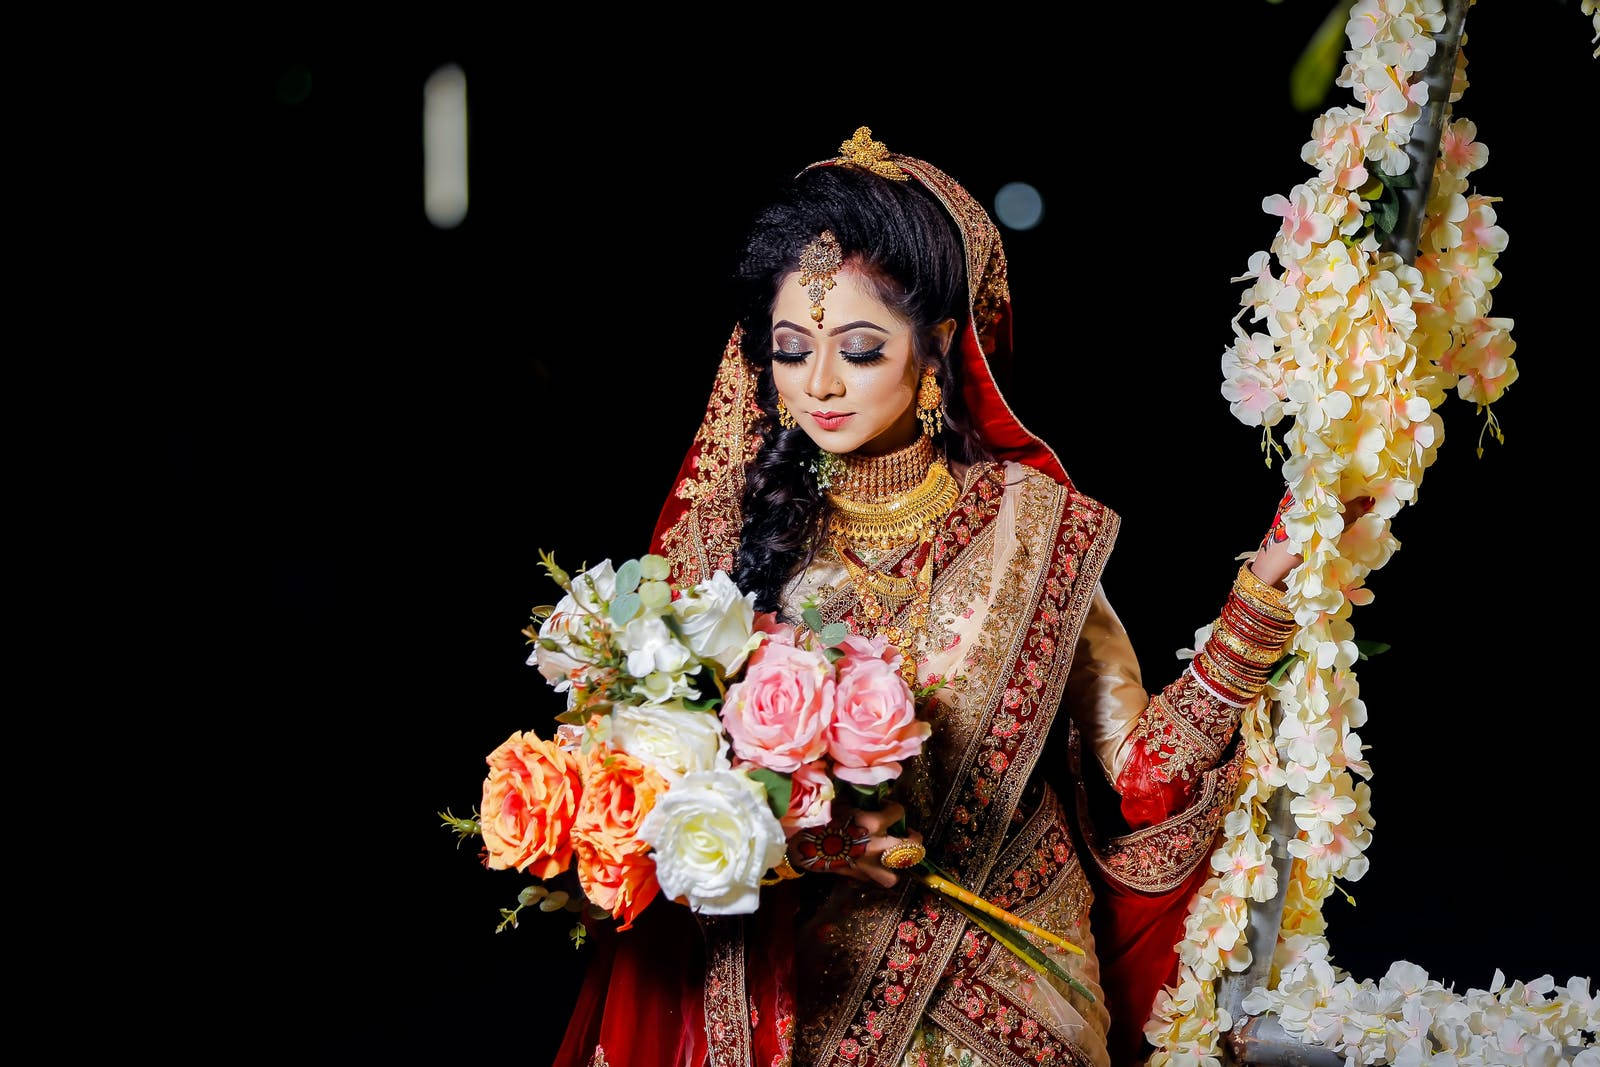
(831, 420)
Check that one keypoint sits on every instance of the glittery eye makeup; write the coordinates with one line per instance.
(861, 359)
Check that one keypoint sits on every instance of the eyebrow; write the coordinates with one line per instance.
(835, 330)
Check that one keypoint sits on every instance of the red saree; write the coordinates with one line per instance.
(832, 972)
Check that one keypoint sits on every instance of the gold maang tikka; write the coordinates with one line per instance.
(819, 262)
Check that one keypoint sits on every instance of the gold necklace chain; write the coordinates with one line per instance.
(881, 502)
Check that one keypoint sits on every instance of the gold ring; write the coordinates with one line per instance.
(902, 856)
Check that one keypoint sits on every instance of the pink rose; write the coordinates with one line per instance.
(530, 801)
(855, 646)
(777, 632)
(875, 717)
(810, 798)
(778, 714)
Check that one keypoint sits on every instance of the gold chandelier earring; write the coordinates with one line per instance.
(929, 397)
(785, 419)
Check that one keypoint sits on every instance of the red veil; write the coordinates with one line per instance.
(642, 1003)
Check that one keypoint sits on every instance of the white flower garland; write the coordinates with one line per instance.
(1358, 348)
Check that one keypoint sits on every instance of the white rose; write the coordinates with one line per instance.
(712, 837)
(573, 628)
(718, 621)
(672, 741)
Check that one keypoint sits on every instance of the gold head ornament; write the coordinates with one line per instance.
(862, 151)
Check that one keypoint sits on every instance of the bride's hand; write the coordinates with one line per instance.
(1273, 560)
(851, 844)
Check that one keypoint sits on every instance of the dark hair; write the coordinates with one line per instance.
(908, 248)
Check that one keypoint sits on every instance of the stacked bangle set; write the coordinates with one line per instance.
(1252, 633)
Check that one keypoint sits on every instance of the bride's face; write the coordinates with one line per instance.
(850, 382)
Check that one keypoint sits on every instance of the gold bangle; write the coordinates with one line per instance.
(1247, 650)
(1244, 687)
(1269, 598)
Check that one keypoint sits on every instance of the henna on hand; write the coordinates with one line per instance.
(831, 847)
(1276, 534)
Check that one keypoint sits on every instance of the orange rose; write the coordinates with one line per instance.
(614, 866)
(529, 802)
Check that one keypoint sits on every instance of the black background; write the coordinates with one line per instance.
(369, 426)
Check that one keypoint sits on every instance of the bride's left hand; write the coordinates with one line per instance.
(1274, 560)
(869, 827)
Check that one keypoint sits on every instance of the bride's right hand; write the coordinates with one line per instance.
(870, 828)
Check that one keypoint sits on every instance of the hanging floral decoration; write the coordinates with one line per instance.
(1355, 349)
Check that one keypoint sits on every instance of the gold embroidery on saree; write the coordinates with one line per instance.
(1160, 857)
(705, 537)
(1061, 559)
(726, 994)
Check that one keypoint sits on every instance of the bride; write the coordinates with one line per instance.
(857, 452)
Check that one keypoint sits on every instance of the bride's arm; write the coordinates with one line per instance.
(1154, 748)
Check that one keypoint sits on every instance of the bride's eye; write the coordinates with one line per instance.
(864, 359)
(860, 359)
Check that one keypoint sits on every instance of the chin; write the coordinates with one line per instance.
(839, 443)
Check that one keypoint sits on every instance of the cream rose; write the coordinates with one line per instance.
(672, 741)
(712, 837)
(718, 622)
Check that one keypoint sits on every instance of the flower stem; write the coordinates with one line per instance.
(1020, 946)
(957, 892)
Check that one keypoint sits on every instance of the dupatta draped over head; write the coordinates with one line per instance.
(895, 957)
(699, 525)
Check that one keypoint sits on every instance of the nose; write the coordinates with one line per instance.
(824, 380)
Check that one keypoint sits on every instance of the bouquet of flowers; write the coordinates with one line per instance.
(698, 736)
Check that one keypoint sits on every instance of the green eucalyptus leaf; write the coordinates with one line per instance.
(834, 654)
(653, 567)
(812, 618)
(833, 633)
(654, 595)
(779, 788)
(628, 576)
(624, 608)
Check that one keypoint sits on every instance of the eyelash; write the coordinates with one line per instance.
(860, 359)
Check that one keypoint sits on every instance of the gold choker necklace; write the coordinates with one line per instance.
(879, 502)
(883, 501)
(877, 478)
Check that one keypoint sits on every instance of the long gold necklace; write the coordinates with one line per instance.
(883, 502)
